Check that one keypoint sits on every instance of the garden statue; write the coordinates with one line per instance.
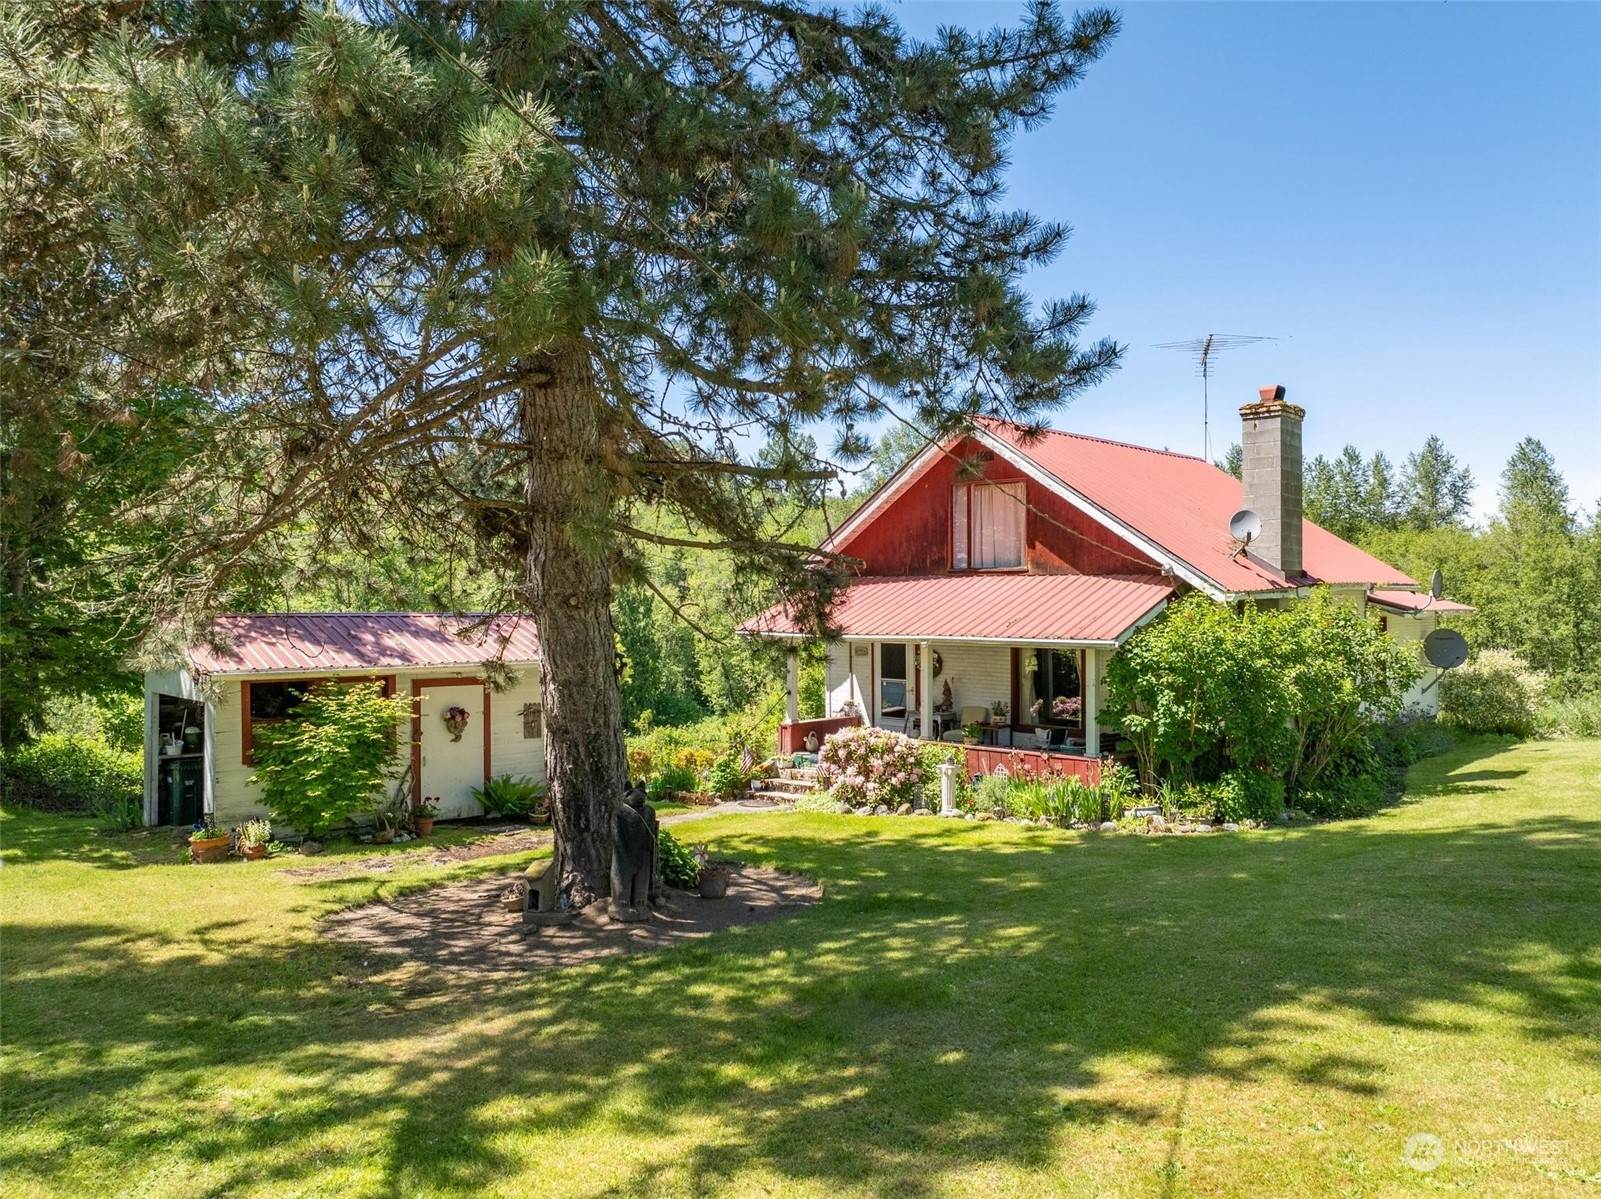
(633, 864)
(811, 742)
(946, 703)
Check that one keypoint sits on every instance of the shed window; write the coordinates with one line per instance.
(269, 702)
(988, 526)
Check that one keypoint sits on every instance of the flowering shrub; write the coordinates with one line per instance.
(873, 766)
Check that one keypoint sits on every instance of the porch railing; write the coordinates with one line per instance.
(984, 759)
(792, 736)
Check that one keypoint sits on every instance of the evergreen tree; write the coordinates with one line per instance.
(1380, 503)
(1351, 495)
(1233, 461)
(518, 272)
(1435, 491)
(1539, 603)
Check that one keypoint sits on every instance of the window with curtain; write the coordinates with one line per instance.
(989, 524)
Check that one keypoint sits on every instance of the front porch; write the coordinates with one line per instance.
(977, 759)
(1031, 706)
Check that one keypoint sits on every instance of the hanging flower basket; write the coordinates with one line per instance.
(456, 718)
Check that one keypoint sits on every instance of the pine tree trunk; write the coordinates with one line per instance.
(568, 592)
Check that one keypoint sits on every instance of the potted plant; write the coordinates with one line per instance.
(512, 796)
(423, 813)
(712, 880)
(387, 819)
(1000, 709)
(207, 842)
(253, 837)
(972, 733)
(711, 877)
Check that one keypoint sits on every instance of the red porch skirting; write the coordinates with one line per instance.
(792, 737)
(983, 759)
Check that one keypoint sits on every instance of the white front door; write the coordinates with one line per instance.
(450, 768)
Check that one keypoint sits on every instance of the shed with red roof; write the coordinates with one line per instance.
(203, 716)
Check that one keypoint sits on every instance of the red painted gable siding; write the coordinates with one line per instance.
(912, 535)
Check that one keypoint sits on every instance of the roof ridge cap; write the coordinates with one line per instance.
(1127, 445)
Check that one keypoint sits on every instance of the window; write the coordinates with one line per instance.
(1056, 683)
(892, 679)
(269, 703)
(988, 526)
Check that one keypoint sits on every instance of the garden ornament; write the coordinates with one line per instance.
(633, 864)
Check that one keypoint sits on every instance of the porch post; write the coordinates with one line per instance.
(926, 709)
(1092, 702)
(792, 686)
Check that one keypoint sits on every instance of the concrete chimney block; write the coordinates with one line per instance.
(1270, 442)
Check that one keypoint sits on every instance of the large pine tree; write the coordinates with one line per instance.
(522, 273)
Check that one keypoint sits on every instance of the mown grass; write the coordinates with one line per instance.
(973, 1010)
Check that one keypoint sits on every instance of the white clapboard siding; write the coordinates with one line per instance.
(238, 799)
(509, 751)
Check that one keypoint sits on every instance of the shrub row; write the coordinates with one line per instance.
(62, 772)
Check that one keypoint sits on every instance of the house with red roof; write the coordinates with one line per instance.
(472, 682)
(998, 571)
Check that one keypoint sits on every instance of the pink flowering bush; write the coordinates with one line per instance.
(872, 766)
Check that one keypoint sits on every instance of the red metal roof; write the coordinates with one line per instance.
(1416, 601)
(1182, 505)
(299, 641)
(990, 607)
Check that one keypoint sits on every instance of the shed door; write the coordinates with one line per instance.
(450, 768)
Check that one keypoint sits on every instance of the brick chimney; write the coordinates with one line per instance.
(1271, 470)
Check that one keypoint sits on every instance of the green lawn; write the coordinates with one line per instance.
(973, 1010)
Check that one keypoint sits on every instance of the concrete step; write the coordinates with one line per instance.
(783, 786)
(797, 772)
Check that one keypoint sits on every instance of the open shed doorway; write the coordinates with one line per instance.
(181, 762)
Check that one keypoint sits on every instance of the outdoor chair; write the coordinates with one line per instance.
(971, 714)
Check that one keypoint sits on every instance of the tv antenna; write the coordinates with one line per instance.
(1205, 351)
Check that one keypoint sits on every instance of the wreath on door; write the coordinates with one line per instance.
(456, 718)
(917, 660)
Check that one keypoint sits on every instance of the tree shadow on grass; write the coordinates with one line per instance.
(947, 1008)
(31, 837)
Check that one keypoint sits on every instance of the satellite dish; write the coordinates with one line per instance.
(1245, 526)
(1445, 648)
(1437, 584)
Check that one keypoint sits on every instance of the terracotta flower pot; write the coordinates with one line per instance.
(423, 824)
(253, 853)
(212, 849)
(713, 881)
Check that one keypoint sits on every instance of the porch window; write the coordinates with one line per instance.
(1056, 684)
(988, 526)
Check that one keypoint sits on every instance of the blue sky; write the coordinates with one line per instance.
(1409, 195)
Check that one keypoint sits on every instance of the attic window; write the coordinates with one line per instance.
(988, 523)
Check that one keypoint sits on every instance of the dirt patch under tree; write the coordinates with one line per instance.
(465, 926)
